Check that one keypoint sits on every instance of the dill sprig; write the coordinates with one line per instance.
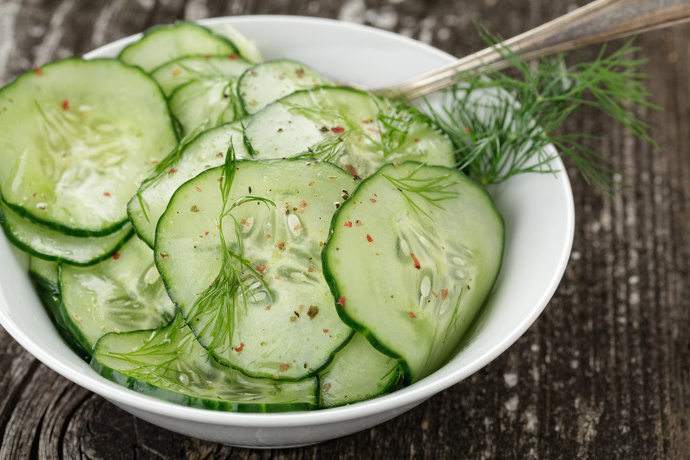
(392, 126)
(158, 359)
(502, 125)
(431, 189)
(218, 303)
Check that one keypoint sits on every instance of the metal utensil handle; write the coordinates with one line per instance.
(597, 22)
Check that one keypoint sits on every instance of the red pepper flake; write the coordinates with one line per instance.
(327, 387)
(281, 245)
(444, 294)
(116, 255)
(325, 331)
(106, 193)
(417, 265)
(261, 268)
(172, 170)
(416, 140)
(65, 105)
(207, 57)
(373, 200)
(341, 301)
(338, 129)
(234, 56)
(412, 315)
(468, 130)
(348, 224)
(310, 269)
(369, 238)
(283, 367)
(351, 169)
(38, 71)
(206, 233)
(240, 348)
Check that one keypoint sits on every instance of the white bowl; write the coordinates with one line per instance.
(539, 217)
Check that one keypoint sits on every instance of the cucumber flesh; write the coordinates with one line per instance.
(177, 72)
(50, 244)
(358, 372)
(196, 153)
(353, 129)
(412, 256)
(271, 80)
(161, 44)
(169, 363)
(76, 139)
(205, 103)
(259, 303)
(120, 294)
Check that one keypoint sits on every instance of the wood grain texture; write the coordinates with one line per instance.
(603, 373)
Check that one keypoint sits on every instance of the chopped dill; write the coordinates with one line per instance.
(502, 125)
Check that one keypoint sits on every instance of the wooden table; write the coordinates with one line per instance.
(603, 373)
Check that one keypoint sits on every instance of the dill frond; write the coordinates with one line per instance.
(503, 125)
(431, 189)
(228, 295)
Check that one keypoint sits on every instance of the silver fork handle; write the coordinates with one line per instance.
(597, 22)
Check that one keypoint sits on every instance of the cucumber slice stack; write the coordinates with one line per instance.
(265, 274)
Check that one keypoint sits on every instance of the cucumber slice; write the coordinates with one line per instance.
(259, 302)
(161, 44)
(358, 372)
(412, 256)
(169, 363)
(44, 273)
(177, 72)
(76, 139)
(49, 244)
(271, 80)
(353, 129)
(205, 103)
(246, 47)
(196, 153)
(121, 294)
(44, 270)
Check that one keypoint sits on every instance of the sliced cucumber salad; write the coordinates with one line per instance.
(238, 235)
